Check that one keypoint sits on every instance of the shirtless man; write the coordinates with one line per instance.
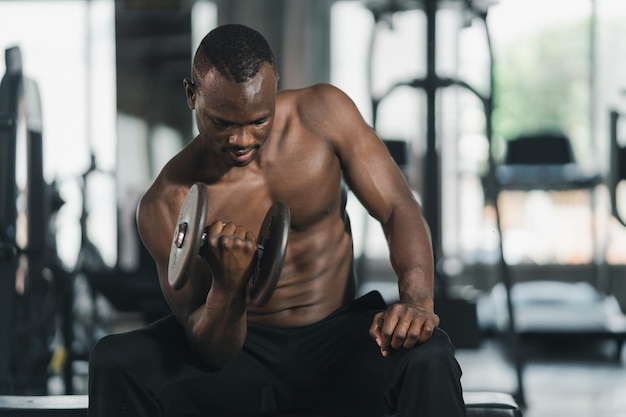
(312, 347)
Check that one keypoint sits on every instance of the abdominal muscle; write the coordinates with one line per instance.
(314, 282)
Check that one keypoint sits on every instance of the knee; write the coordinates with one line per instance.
(117, 353)
(428, 373)
(434, 355)
(107, 355)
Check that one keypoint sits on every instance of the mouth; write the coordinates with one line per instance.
(241, 155)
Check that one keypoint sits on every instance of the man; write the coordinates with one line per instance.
(312, 347)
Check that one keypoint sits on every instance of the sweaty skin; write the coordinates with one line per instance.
(257, 146)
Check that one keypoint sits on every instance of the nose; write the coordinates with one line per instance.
(241, 137)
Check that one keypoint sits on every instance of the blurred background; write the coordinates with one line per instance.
(504, 115)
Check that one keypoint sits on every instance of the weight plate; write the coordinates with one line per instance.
(272, 243)
(187, 235)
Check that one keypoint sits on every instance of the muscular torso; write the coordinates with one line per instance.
(298, 166)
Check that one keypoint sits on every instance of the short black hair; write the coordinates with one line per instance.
(236, 51)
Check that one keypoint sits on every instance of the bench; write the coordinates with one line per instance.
(478, 404)
(43, 406)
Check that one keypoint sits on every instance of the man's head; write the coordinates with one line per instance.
(236, 51)
(233, 92)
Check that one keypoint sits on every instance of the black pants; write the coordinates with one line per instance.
(332, 368)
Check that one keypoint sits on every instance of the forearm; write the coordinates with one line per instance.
(217, 329)
(411, 255)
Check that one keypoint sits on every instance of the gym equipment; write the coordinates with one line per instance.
(44, 406)
(617, 172)
(28, 262)
(477, 404)
(28, 317)
(189, 239)
(551, 310)
(10, 92)
(543, 309)
(188, 235)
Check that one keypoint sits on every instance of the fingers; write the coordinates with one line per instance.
(229, 250)
(229, 236)
(376, 331)
(402, 326)
(422, 333)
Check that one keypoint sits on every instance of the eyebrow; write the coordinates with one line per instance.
(229, 122)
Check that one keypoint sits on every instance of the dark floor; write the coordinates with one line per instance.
(580, 381)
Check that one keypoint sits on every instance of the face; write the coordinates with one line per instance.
(233, 119)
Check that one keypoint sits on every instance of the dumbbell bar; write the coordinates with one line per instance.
(189, 238)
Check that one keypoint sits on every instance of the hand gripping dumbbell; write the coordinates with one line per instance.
(189, 237)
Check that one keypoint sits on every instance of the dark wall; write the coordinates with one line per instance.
(297, 30)
(153, 56)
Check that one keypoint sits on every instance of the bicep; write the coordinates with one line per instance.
(153, 226)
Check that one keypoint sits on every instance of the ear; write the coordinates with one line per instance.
(190, 92)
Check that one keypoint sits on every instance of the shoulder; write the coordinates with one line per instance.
(158, 208)
(321, 94)
(156, 202)
(323, 108)
(164, 195)
(157, 212)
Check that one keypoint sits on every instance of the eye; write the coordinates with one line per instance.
(260, 122)
(222, 124)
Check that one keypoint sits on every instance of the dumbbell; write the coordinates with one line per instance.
(189, 238)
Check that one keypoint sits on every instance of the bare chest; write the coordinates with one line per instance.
(307, 178)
